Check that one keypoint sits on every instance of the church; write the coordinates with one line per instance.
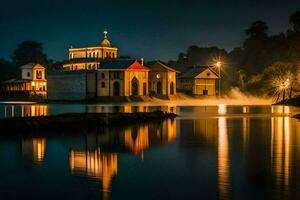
(88, 58)
(97, 71)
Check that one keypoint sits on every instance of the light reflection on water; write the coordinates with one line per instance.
(214, 152)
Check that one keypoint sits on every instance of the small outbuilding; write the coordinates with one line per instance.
(162, 79)
(199, 80)
(32, 83)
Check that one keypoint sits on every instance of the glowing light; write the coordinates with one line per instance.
(219, 64)
(222, 110)
(170, 76)
(32, 83)
(157, 76)
(281, 85)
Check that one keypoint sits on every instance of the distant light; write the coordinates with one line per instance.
(222, 110)
(218, 64)
(157, 76)
(170, 76)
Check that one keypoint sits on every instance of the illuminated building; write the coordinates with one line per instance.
(32, 83)
(162, 79)
(88, 58)
(199, 81)
(122, 78)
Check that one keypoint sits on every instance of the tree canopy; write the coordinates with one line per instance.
(29, 52)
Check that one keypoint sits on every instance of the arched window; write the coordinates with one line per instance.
(135, 87)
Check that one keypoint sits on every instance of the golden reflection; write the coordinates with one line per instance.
(34, 149)
(246, 130)
(280, 110)
(34, 110)
(95, 164)
(223, 160)
(136, 139)
(281, 151)
(171, 130)
(246, 109)
(25, 111)
(222, 109)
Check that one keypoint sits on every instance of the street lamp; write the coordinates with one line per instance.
(219, 64)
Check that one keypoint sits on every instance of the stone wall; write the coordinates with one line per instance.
(71, 85)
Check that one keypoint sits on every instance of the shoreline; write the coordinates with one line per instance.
(73, 122)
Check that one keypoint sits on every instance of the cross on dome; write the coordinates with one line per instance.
(105, 33)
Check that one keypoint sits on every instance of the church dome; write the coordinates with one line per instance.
(105, 42)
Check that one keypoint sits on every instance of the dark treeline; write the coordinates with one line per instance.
(255, 65)
(26, 52)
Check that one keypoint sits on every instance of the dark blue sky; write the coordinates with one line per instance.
(157, 29)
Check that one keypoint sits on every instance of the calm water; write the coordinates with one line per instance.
(215, 152)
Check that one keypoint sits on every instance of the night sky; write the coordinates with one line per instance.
(153, 29)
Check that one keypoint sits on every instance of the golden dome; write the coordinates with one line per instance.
(105, 42)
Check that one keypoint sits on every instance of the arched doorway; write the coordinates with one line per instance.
(172, 88)
(116, 89)
(158, 88)
(135, 87)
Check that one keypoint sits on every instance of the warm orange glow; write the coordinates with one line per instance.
(218, 64)
(138, 144)
(95, 164)
(281, 151)
(171, 130)
(222, 109)
(223, 160)
(39, 148)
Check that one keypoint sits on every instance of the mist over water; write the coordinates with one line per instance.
(234, 97)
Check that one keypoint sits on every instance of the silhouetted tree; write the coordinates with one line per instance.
(29, 52)
(295, 21)
(7, 70)
(258, 29)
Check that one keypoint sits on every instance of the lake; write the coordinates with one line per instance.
(208, 152)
